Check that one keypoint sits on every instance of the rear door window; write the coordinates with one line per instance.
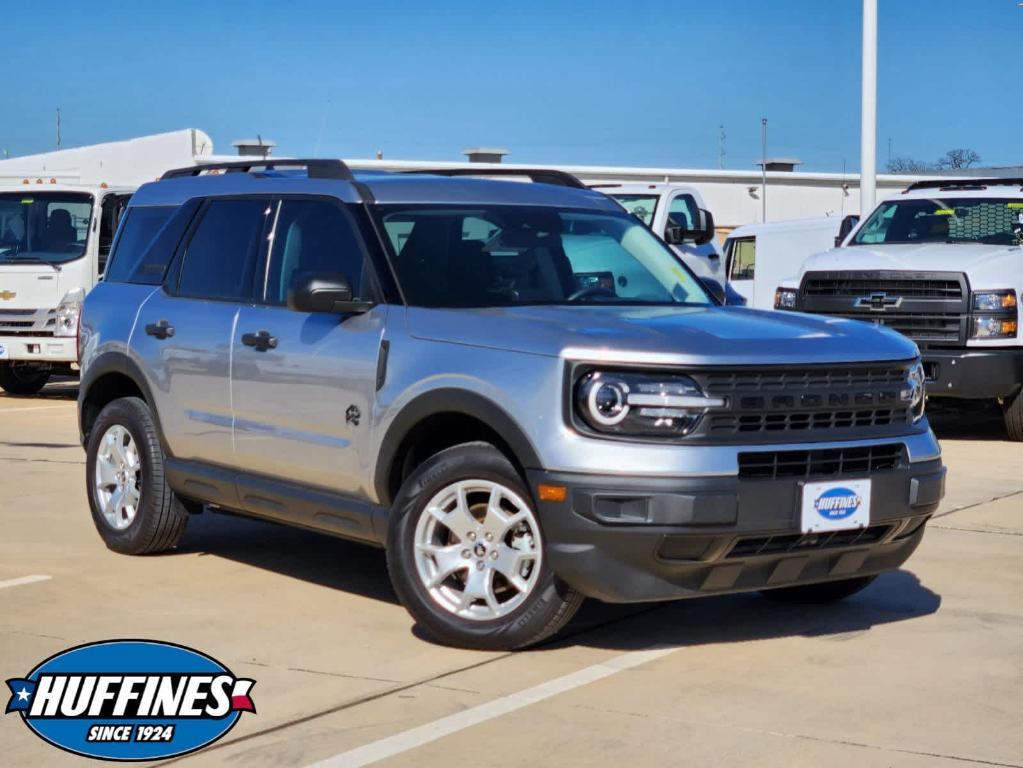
(219, 260)
(131, 248)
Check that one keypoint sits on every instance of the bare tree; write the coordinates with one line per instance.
(908, 165)
(957, 158)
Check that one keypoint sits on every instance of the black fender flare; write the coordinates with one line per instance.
(450, 400)
(120, 363)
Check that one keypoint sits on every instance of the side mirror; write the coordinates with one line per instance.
(715, 289)
(328, 292)
(702, 232)
(848, 225)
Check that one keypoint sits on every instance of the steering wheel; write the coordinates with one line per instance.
(591, 290)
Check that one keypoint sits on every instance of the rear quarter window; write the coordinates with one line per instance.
(132, 258)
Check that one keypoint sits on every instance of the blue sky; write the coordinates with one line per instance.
(638, 83)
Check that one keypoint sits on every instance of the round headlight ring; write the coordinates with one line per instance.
(607, 401)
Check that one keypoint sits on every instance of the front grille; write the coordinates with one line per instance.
(846, 401)
(822, 462)
(946, 289)
(752, 546)
(928, 307)
(27, 322)
(946, 328)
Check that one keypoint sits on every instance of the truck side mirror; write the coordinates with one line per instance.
(702, 232)
(848, 225)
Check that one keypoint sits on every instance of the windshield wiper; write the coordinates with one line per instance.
(34, 260)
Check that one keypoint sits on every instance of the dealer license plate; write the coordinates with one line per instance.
(836, 506)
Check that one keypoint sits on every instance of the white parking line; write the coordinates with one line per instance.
(445, 726)
(54, 407)
(23, 580)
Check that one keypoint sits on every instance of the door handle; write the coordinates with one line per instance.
(160, 330)
(261, 341)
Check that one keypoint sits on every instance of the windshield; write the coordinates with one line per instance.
(640, 206)
(51, 227)
(991, 221)
(495, 256)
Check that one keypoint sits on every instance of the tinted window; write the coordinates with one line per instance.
(496, 255)
(220, 259)
(682, 212)
(312, 236)
(130, 259)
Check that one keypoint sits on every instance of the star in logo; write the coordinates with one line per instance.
(23, 694)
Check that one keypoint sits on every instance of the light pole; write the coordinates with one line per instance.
(763, 168)
(868, 109)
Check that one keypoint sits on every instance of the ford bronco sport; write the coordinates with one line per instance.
(517, 389)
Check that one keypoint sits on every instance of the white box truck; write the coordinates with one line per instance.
(58, 215)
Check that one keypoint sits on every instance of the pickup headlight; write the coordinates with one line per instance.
(913, 391)
(641, 404)
(785, 298)
(994, 301)
(68, 313)
(994, 315)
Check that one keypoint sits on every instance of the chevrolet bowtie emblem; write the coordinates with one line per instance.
(878, 302)
(7, 295)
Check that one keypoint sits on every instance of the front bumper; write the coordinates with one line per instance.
(977, 374)
(40, 349)
(627, 540)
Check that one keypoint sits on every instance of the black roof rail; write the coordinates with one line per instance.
(964, 184)
(316, 168)
(536, 175)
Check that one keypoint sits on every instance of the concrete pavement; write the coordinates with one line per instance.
(925, 668)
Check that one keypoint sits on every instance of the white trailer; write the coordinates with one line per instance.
(58, 215)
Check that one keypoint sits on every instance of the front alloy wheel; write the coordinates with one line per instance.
(477, 549)
(466, 553)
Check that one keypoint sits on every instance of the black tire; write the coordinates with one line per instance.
(1013, 413)
(547, 607)
(22, 379)
(820, 594)
(160, 518)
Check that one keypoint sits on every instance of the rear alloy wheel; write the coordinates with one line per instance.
(23, 379)
(133, 508)
(466, 554)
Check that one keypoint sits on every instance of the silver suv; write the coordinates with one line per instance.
(516, 388)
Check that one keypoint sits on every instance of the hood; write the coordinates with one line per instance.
(988, 266)
(669, 335)
(37, 286)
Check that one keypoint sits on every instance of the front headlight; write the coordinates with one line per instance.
(785, 298)
(68, 313)
(913, 391)
(994, 301)
(641, 404)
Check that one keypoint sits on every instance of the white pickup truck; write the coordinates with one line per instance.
(941, 263)
(54, 241)
(677, 214)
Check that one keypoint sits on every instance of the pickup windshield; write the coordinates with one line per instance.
(493, 256)
(991, 221)
(47, 227)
